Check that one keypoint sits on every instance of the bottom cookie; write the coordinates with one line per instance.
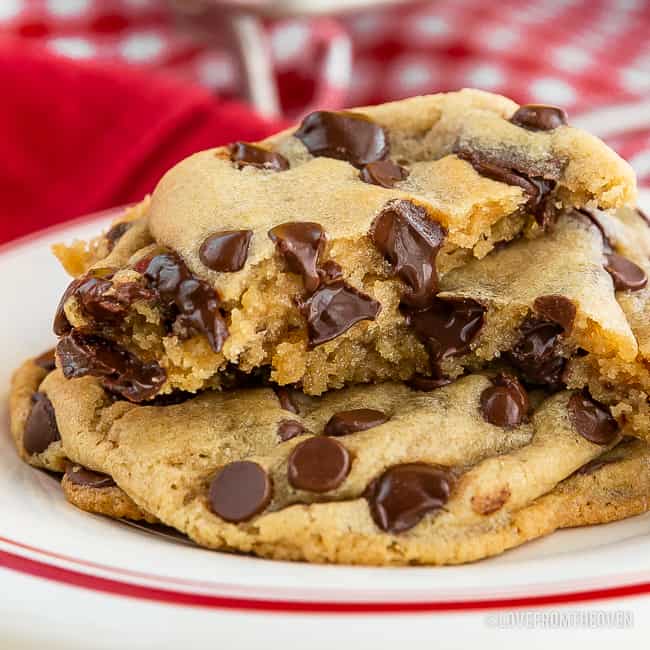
(374, 475)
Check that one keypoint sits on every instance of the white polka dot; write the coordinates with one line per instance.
(501, 38)
(338, 63)
(571, 58)
(629, 5)
(413, 76)
(635, 80)
(141, 47)
(67, 8)
(485, 76)
(432, 26)
(368, 27)
(289, 41)
(553, 91)
(216, 72)
(73, 47)
(10, 9)
(365, 73)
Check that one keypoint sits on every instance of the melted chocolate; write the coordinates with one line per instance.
(334, 308)
(346, 136)
(410, 241)
(194, 303)
(120, 371)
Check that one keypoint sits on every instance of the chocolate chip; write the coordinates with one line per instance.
(448, 325)
(329, 271)
(536, 354)
(194, 302)
(345, 422)
(536, 187)
(627, 276)
(87, 478)
(301, 245)
(288, 429)
(558, 309)
(41, 429)
(239, 491)
(334, 309)
(47, 360)
(504, 404)
(404, 494)
(287, 402)
(427, 384)
(318, 464)
(383, 172)
(120, 371)
(410, 240)
(539, 117)
(226, 251)
(592, 420)
(244, 153)
(116, 232)
(346, 136)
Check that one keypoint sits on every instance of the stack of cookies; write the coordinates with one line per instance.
(415, 333)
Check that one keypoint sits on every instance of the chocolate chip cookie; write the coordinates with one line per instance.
(375, 474)
(335, 252)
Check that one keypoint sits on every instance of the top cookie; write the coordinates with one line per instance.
(309, 253)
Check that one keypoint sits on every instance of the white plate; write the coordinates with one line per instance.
(94, 574)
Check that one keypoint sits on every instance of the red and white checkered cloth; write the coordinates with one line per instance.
(581, 54)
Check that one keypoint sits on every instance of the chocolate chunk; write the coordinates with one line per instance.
(592, 420)
(301, 244)
(557, 309)
(116, 232)
(244, 153)
(536, 354)
(286, 397)
(120, 371)
(288, 429)
(345, 422)
(448, 325)
(329, 271)
(627, 276)
(539, 117)
(195, 302)
(47, 360)
(404, 494)
(346, 136)
(226, 251)
(426, 384)
(536, 187)
(334, 309)
(383, 172)
(239, 491)
(504, 404)
(87, 478)
(41, 429)
(410, 240)
(318, 464)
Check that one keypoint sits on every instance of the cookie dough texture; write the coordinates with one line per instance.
(432, 138)
(510, 485)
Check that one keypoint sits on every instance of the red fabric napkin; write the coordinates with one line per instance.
(79, 137)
